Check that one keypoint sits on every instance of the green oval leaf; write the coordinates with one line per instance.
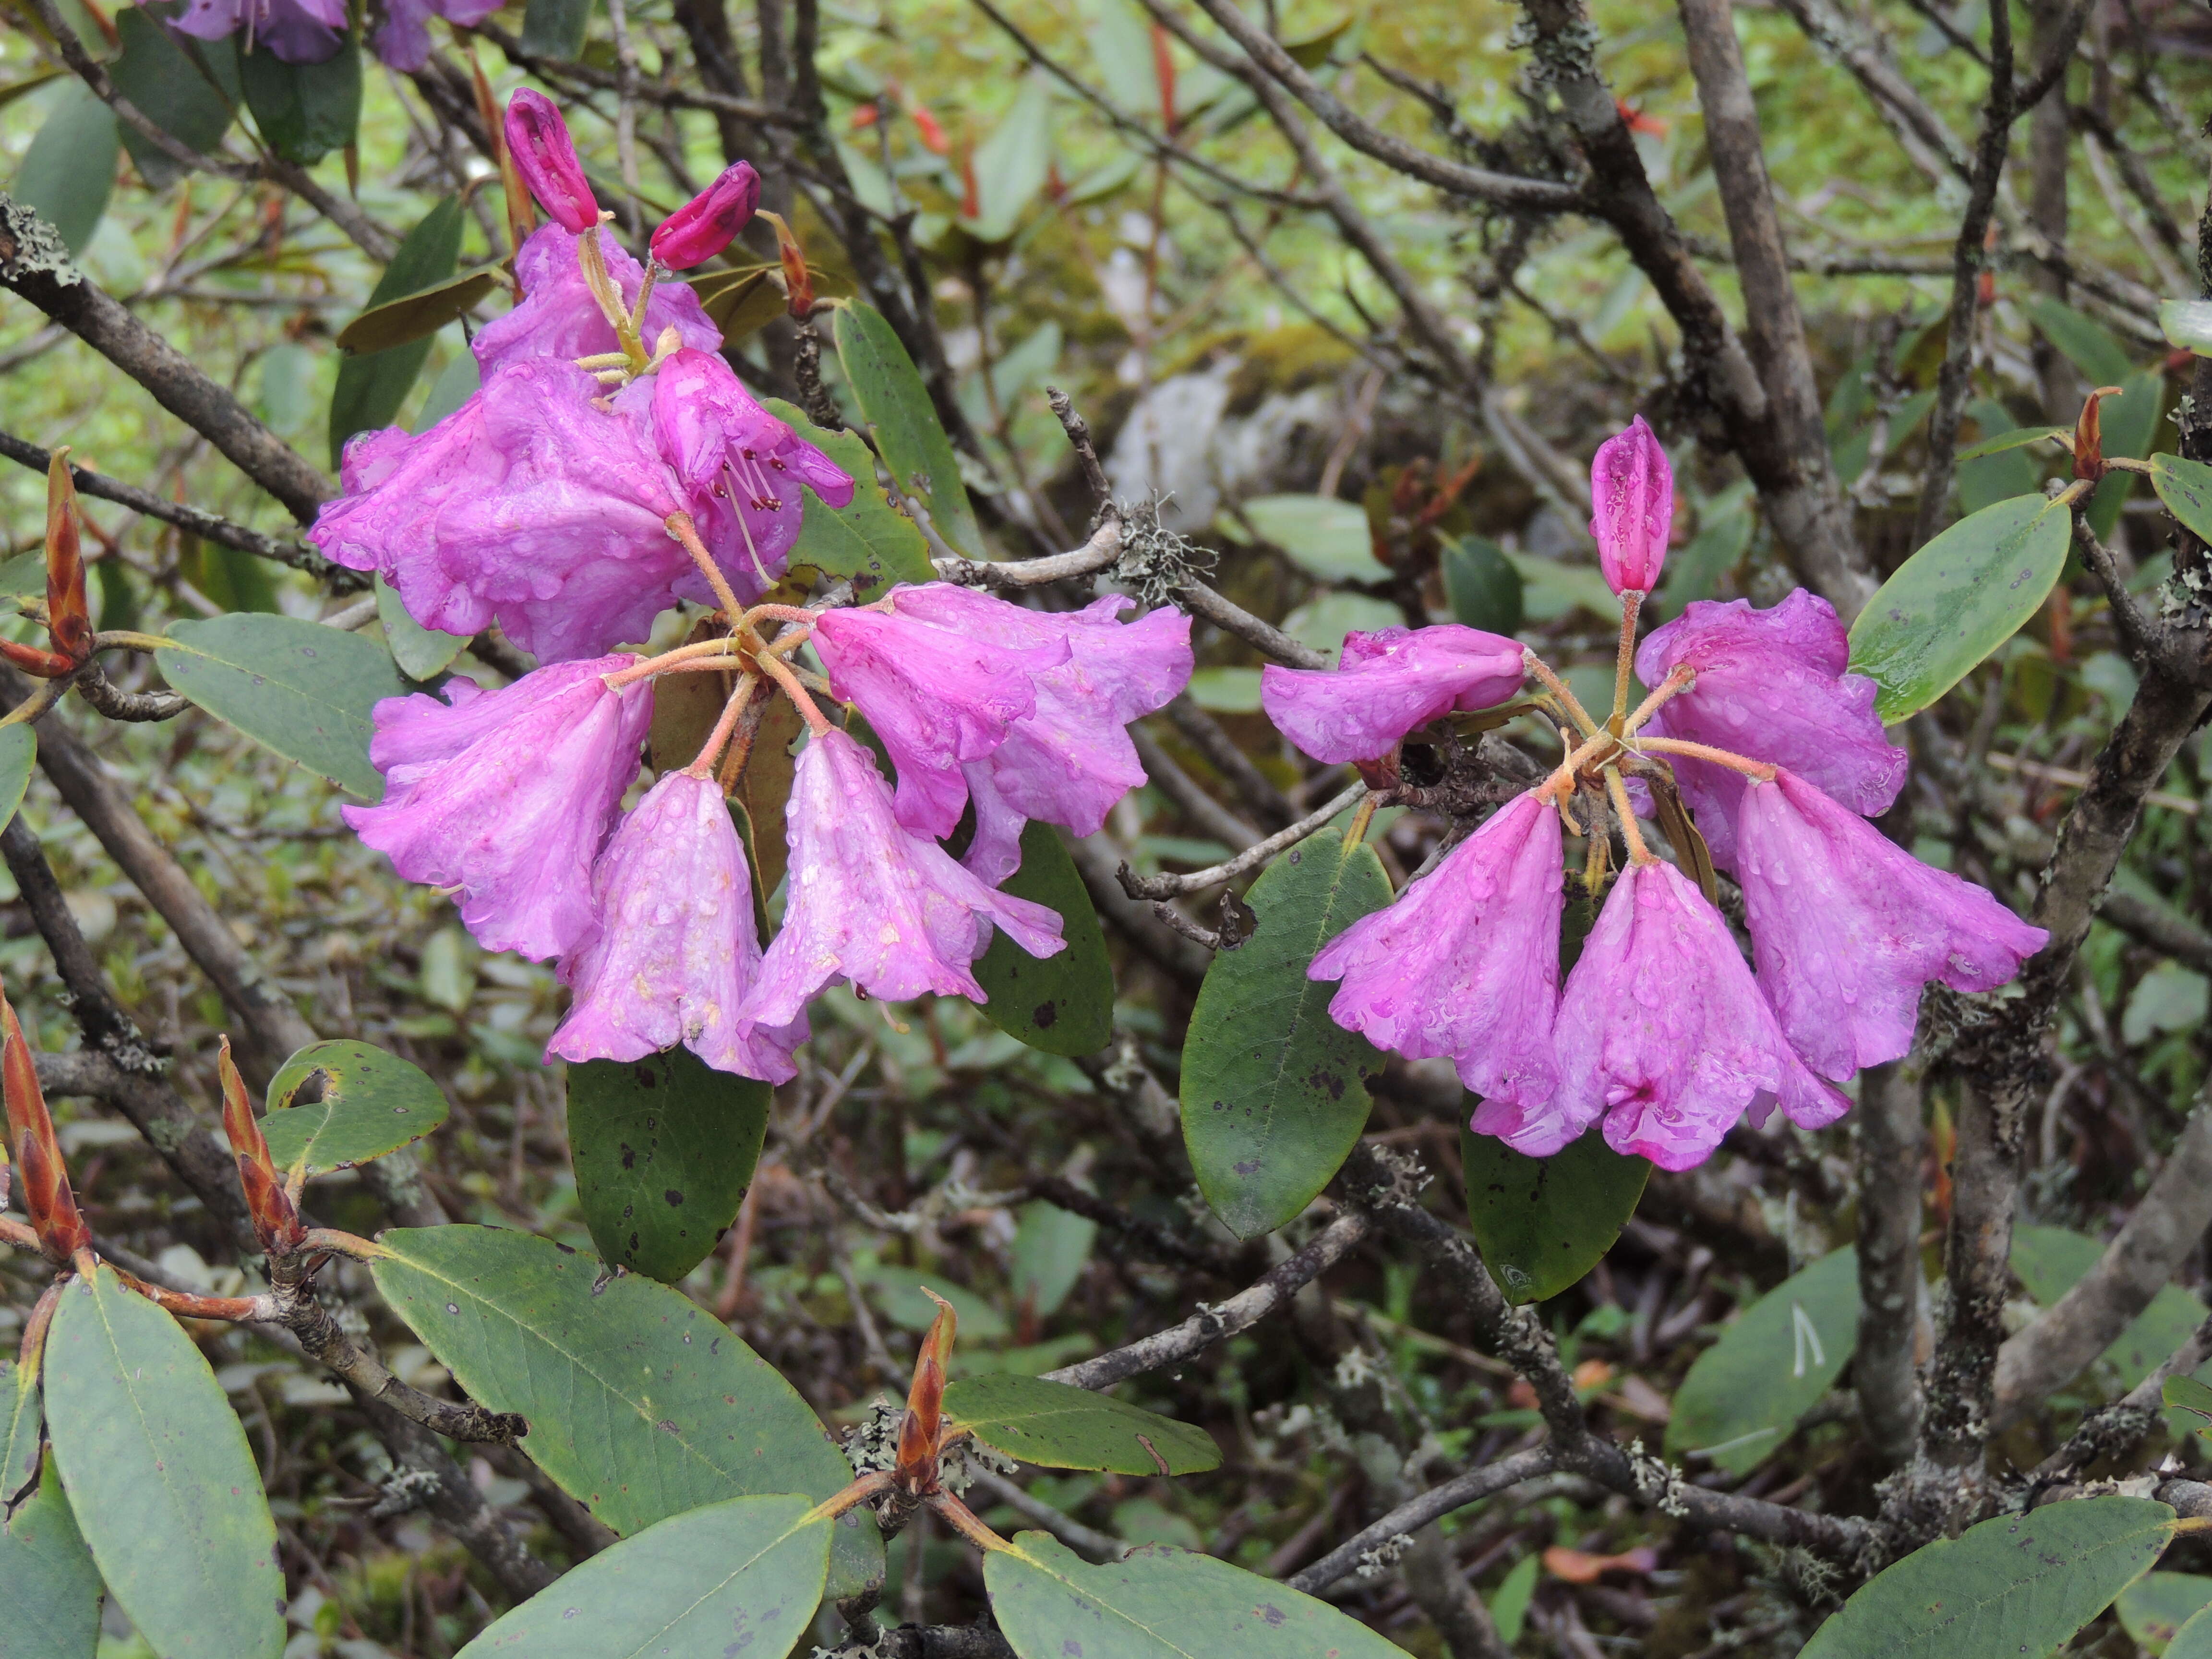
(2187, 323)
(1051, 1248)
(1482, 585)
(303, 690)
(742, 1575)
(162, 1483)
(1063, 1003)
(663, 1148)
(2155, 1607)
(419, 653)
(2194, 1639)
(2049, 1260)
(1160, 1603)
(641, 1403)
(2132, 425)
(2017, 1584)
(1770, 1366)
(19, 752)
(304, 111)
(2185, 487)
(1544, 1222)
(372, 386)
(1326, 538)
(1274, 1092)
(555, 28)
(1059, 1426)
(2019, 438)
(22, 1428)
(49, 1590)
(1957, 600)
(2083, 341)
(339, 1103)
(414, 316)
(68, 171)
(157, 75)
(896, 404)
(870, 542)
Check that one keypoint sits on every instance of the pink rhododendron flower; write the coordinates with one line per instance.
(1846, 926)
(742, 466)
(1773, 685)
(508, 796)
(1465, 964)
(530, 505)
(710, 221)
(674, 946)
(557, 317)
(1664, 1035)
(890, 913)
(1632, 509)
(294, 31)
(545, 155)
(939, 697)
(1071, 760)
(1388, 682)
(403, 40)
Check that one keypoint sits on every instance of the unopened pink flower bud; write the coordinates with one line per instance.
(545, 156)
(1631, 508)
(710, 221)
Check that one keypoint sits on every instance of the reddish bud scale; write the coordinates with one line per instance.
(545, 156)
(68, 615)
(47, 1198)
(921, 1436)
(38, 662)
(2089, 434)
(710, 221)
(929, 129)
(276, 1218)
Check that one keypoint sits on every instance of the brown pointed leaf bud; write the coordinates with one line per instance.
(69, 617)
(798, 281)
(275, 1217)
(923, 1435)
(2089, 435)
(36, 661)
(47, 1198)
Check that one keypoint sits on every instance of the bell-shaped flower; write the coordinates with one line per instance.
(545, 155)
(893, 914)
(1774, 686)
(742, 466)
(710, 221)
(402, 42)
(1631, 508)
(1465, 965)
(674, 945)
(939, 697)
(1386, 683)
(507, 796)
(1070, 761)
(1663, 1034)
(557, 317)
(294, 31)
(530, 505)
(1846, 926)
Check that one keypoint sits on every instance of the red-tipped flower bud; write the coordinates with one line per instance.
(1631, 508)
(710, 221)
(545, 156)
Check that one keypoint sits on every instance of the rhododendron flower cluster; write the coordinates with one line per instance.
(1663, 1033)
(610, 467)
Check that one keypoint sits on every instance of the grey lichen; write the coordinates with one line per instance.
(29, 247)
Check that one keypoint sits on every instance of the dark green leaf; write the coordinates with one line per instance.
(2018, 438)
(372, 387)
(1694, 572)
(1059, 1426)
(456, 384)
(1544, 1222)
(555, 28)
(415, 316)
(24, 576)
(750, 1568)
(419, 653)
(1770, 1366)
(2187, 323)
(339, 1103)
(49, 1590)
(896, 404)
(641, 1403)
(22, 1427)
(1051, 1248)
(230, 578)
(872, 542)
(304, 689)
(2185, 487)
(1274, 1092)
(1063, 1003)
(2049, 1260)
(1327, 538)
(304, 111)
(69, 169)
(169, 88)
(2155, 1607)
(1509, 1608)
(665, 1147)
(1012, 165)
(162, 1481)
(2187, 1394)
(18, 750)
(1482, 585)
(2131, 427)
(1957, 600)
(2084, 342)
(1160, 1603)
(2194, 1639)
(2017, 1584)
